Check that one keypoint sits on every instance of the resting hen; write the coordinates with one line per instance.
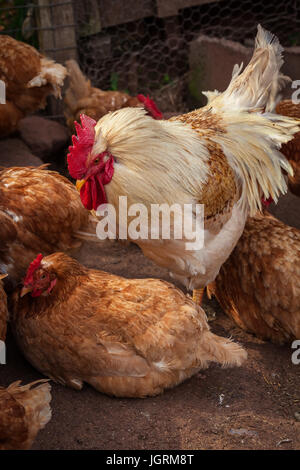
(224, 156)
(24, 411)
(125, 337)
(259, 285)
(81, 97)
(3, 311)
(40, 210)
(292, 148)
(29, 78)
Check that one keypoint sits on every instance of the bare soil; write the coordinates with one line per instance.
(252, 407)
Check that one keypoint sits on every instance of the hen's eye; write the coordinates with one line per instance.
(43, 276)
(96, 161)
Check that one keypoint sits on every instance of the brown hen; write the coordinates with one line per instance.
(29, 78)
(259, 285)
(292, 148)
(24, 411)
(40, 210)
(82, 98)
(125, 337)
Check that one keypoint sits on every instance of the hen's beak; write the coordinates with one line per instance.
(25, 290)
(79, 184)
(2, 276)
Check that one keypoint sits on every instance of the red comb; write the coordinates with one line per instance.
(150, 106)
(32, 268)
(82, 145)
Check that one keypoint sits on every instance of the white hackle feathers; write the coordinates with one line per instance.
(150, 148)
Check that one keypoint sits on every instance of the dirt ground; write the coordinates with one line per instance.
(252, 407)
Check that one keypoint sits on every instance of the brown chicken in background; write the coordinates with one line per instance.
(3, 310)
(259, 285)
(125, 337)
(24, 411)
(29, 78)
(292, 148)
(82, 98)
(40, 210)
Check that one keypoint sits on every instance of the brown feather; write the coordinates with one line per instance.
(40, 212)
(24, 410)
(259, 285)
(291, 149)
(21, 63)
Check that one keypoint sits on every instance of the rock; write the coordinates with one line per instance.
(13, 152)
(45, 137)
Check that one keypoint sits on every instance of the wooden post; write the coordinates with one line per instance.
(57, 37)
(92, 23)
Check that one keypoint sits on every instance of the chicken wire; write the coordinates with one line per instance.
(142, 46)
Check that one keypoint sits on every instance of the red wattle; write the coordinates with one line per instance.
(86, 195)
(92, 193)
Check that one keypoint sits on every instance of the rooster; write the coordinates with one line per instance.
(125, 337)
(40, 210)
(29, 78)
(24, 410)
(259, 285)
(224, 156)
(3, 310)
(81, 97)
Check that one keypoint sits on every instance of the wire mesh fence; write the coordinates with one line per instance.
(143, 46)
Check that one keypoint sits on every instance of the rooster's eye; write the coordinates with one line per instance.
(96, 161)
(43, 276)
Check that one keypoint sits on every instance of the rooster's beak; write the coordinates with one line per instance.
(79, 184)
(25, 290)
(2, 276)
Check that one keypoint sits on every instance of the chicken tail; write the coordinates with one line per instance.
(222, 350)
(252, 88)
(52, 74)
(35, 400)
(253, 137)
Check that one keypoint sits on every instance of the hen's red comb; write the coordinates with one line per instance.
(150, 106)
(82, 145)
(32, 268)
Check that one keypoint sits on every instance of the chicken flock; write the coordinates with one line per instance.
(139, 337)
